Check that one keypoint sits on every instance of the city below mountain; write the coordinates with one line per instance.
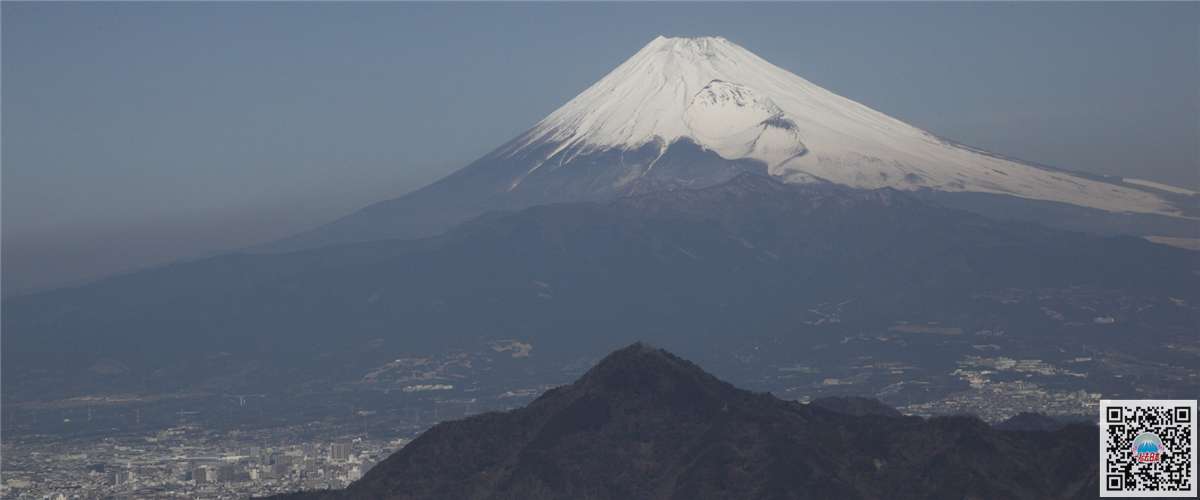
(694, 112)
(644, 424)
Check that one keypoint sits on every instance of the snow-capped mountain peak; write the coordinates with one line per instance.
(687, 113)
(739, 106)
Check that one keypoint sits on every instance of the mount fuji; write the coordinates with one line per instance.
(695, 112)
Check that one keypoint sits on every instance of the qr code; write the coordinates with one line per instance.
(1147, 448)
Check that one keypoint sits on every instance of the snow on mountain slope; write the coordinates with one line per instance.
(735, 122)
(687, 113)
(739, 106)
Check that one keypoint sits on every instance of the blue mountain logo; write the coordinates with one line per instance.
(1147, 447)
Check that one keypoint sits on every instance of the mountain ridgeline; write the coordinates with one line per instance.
(686, 113)
(686, 266)
(644, 424)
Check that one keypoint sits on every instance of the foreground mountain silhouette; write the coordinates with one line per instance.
(694, 112)
(644, 424)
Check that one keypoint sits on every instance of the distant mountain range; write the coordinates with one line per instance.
(695, 112)
(748, 256)
(644, 424)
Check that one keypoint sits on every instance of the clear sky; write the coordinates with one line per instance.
(139, 132)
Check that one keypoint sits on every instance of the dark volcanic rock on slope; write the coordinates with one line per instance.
(644, 424)
(689, 266)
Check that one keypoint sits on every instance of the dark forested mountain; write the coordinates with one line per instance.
(750, 255)
(644, 424)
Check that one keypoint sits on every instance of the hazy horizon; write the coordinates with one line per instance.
(141, 133)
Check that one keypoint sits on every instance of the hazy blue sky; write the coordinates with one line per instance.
(137, 132)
